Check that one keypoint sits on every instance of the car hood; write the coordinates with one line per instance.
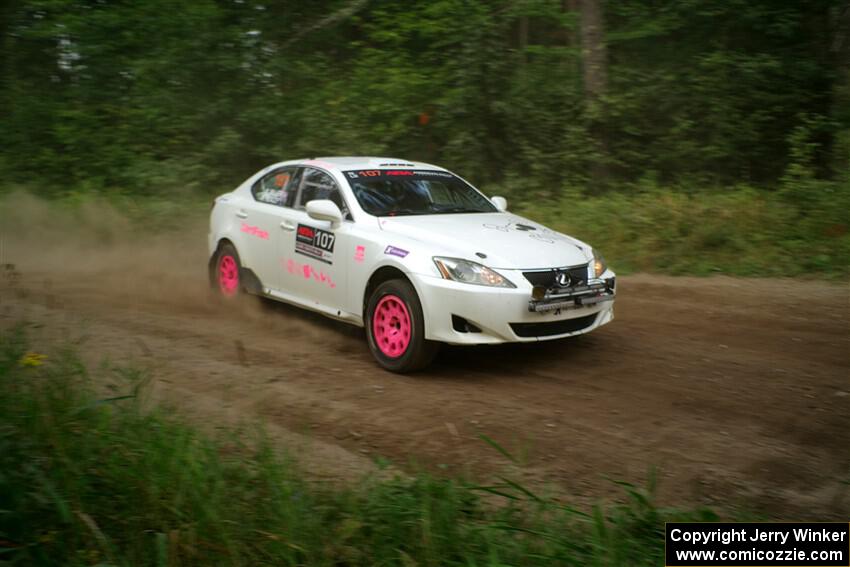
(509, 241)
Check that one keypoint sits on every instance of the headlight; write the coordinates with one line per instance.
(465, 271)
(599, 265)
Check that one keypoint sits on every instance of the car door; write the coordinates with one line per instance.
(315, 264)
(261, 226)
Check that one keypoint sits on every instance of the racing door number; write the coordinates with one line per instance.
(315, 243)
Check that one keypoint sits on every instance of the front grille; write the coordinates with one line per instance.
(547, 278)
(553, 328)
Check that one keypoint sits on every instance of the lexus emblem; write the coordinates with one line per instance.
(563, 279)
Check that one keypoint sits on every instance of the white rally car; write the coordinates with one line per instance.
(410, 251)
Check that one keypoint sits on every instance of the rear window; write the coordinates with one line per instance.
(389, 192)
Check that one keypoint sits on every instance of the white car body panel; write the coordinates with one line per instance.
(265, 236)
(497, 235)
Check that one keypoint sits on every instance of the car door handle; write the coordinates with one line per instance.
(242, 214)
(287, 226)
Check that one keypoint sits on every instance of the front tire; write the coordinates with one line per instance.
(395, 328)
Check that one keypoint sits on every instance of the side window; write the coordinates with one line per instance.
(319, 185)
(277, 188)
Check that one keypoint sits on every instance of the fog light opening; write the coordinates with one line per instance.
(461, 325)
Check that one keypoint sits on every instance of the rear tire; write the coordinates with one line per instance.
(395, 328)
(226, 277)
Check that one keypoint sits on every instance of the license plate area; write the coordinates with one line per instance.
(585, 295)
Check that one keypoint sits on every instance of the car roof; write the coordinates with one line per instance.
(345, 163)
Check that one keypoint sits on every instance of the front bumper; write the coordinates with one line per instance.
(465, 314)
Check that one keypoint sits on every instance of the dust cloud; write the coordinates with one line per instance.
(95, 253)
(94, 245)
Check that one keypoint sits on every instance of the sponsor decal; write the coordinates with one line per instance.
(308, 272)
(542, 235)
(542, 238)
(393, 251)
(377, 173)
(359, 253)
(315, 243)
(499, 227)
(437, 173)
(255, 230)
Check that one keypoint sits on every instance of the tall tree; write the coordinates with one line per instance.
(595, 74)
(593, 50)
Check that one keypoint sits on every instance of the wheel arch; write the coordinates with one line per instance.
(383, 274)
(420, 351)
(247, 278)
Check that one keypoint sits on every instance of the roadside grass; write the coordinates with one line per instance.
(741, 231)
(93, 480)
(802, 229)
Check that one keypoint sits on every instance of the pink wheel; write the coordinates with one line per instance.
(391, 326)
(395, 327)
(228, 275)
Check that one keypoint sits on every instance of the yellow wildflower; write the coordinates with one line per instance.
(32, 359)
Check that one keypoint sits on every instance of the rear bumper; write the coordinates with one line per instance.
(465, 314)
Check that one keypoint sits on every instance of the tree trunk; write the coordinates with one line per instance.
(593, 50)
(594, 58)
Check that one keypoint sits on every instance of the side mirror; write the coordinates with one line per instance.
(324, 210)
(500, 203)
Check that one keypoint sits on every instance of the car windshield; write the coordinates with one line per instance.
(387, 192)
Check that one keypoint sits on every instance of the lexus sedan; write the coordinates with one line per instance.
(410, 251)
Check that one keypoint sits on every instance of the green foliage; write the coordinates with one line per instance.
(721, 145)
(88, 477)
(155, 96)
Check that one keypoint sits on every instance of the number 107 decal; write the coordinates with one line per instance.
(315, 243)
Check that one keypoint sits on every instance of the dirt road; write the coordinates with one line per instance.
(736, 391)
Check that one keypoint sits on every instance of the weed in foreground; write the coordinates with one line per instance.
(87, 480)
